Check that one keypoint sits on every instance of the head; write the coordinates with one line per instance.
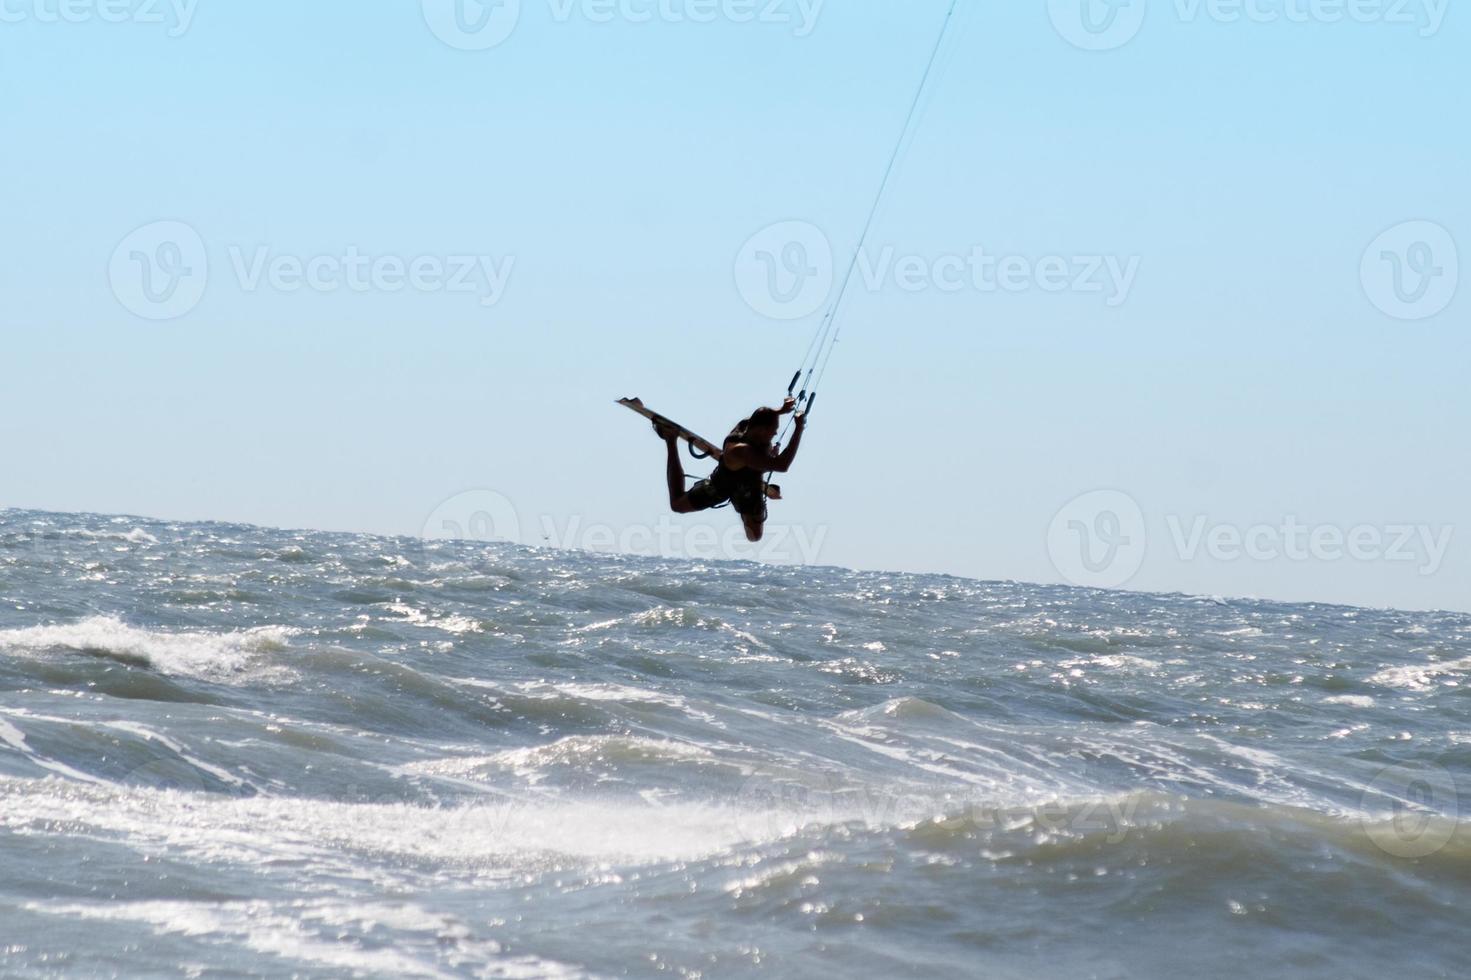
(763, 425)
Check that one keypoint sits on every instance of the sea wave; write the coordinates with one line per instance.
(238, 750)
(239, 656)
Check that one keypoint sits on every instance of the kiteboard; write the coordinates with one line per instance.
(705, 446)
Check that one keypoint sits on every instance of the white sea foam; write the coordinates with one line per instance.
(360, 839)
(316, 932)
(1351, 700)
(136, 536)
(1114, 661)
(1420, 677)
(209, 656)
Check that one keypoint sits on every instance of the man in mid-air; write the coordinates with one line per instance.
(740, 479)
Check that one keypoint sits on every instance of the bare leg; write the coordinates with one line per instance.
(675, 475)
(679, 499)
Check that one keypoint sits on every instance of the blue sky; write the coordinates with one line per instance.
(1255, 378)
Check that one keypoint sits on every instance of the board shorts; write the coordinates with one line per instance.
(709, 494)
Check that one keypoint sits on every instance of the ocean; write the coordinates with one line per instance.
(228, 751)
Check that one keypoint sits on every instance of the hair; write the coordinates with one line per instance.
(764, 417)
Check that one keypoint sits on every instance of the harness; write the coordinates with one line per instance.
(744, 487)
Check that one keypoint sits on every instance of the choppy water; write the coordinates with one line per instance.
(228, 751)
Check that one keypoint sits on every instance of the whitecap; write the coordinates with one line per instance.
(1420, 677)
(1351, 700)
(209, 656)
